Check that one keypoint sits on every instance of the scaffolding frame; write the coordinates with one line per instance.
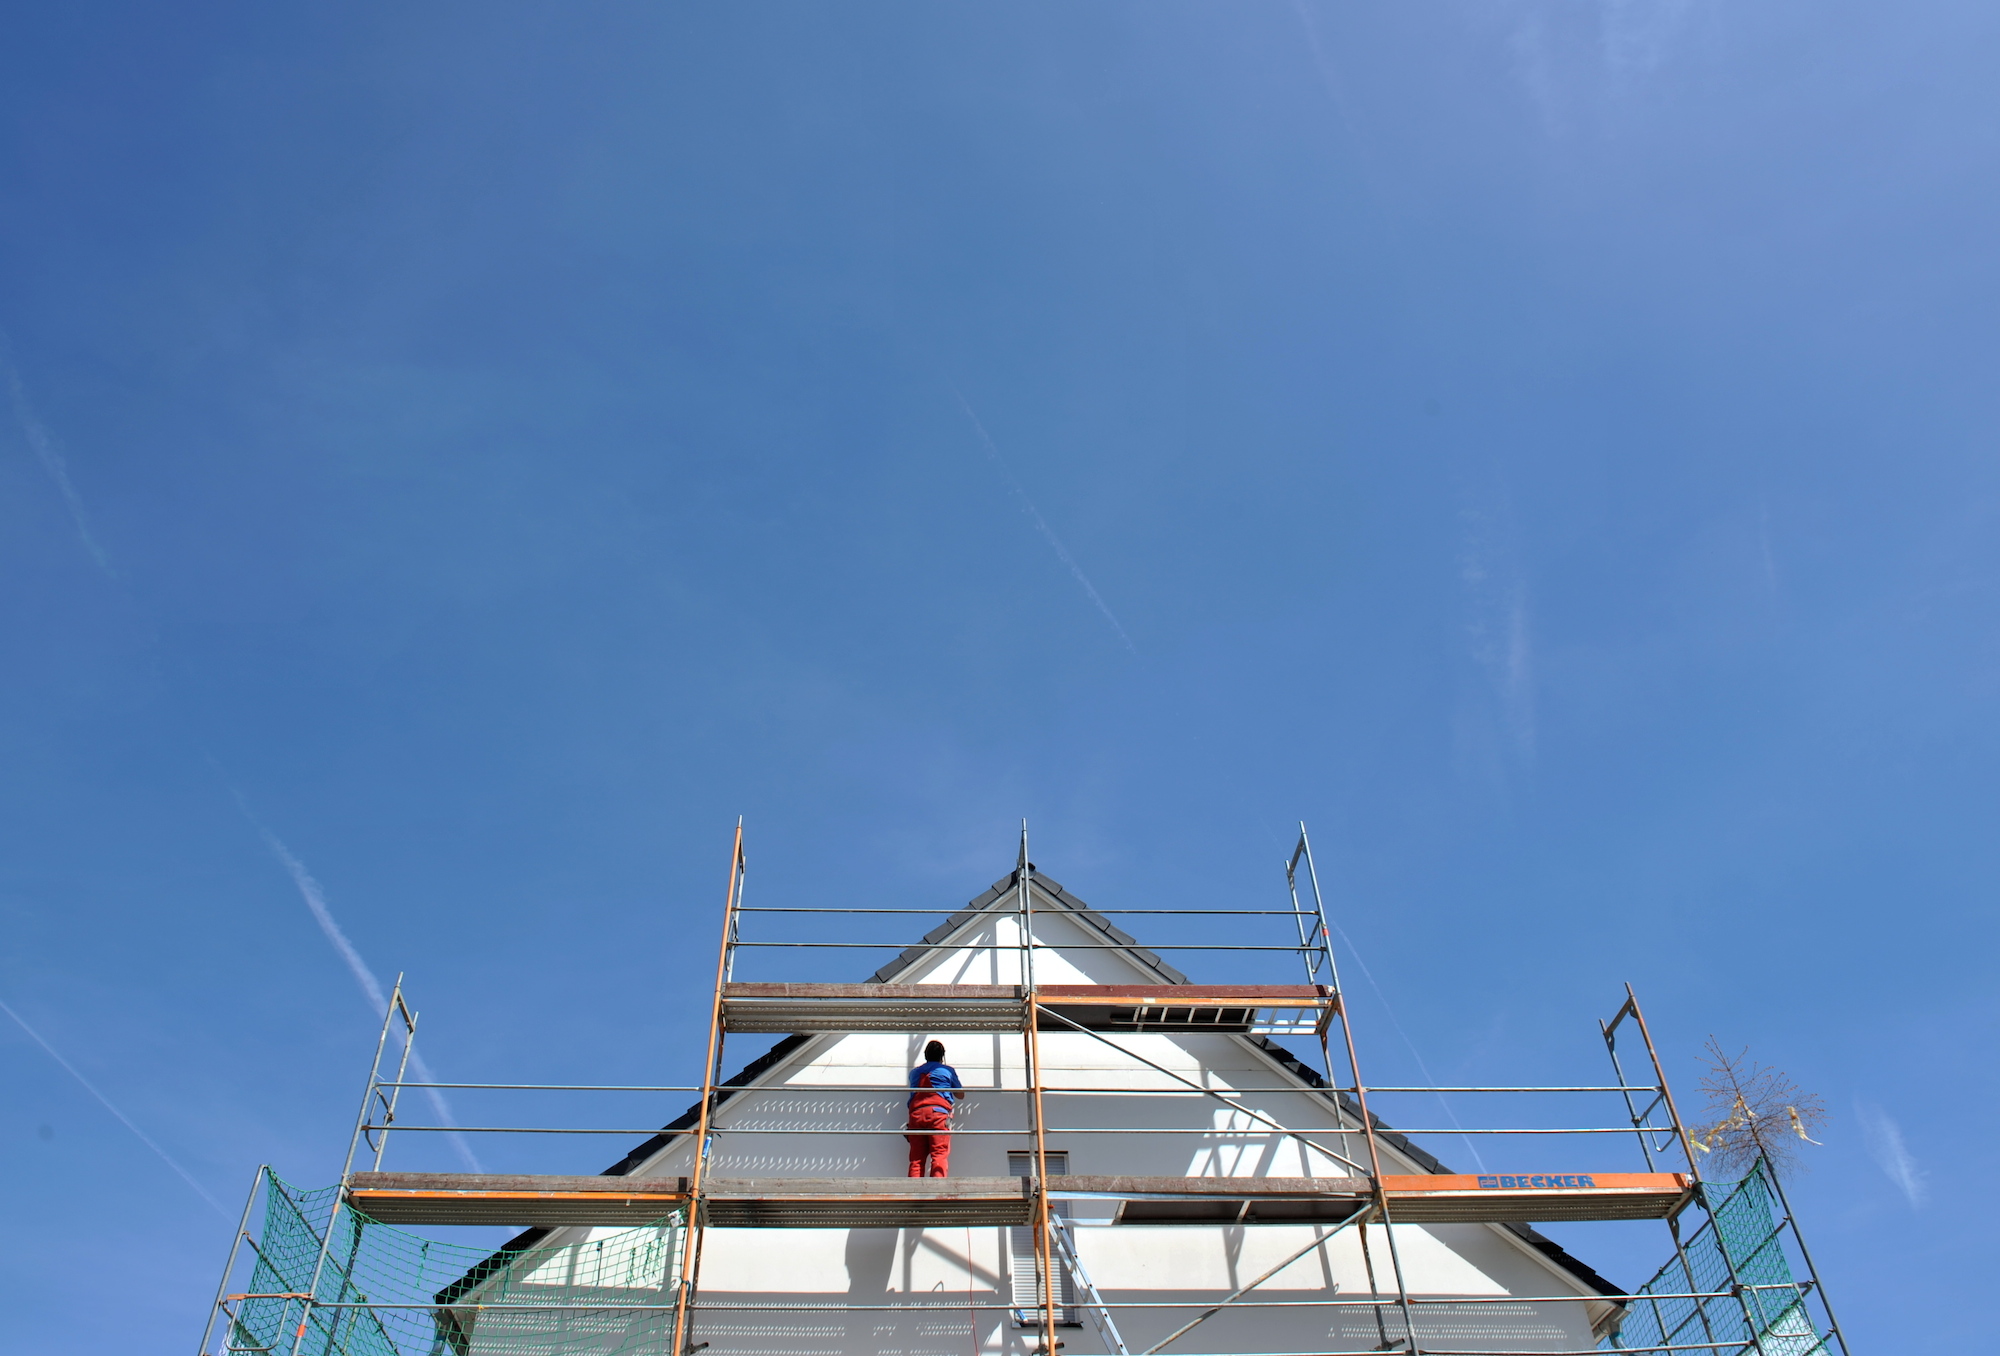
(1650, 1111)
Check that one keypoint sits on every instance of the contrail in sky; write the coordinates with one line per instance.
(123, 1119)
(371, 988)
(1884, 1139)
(51, 456)
(1041, 524)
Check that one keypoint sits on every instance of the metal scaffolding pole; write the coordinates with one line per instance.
(694, 1229)
(1642, 1120)
(228, 1266)
(1339, 1009)
(396, 1007)
(1045, 1277)
(1805, 1254)
(1752, 1317)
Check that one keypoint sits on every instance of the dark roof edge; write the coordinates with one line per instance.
(1000, 889)
(668, 1133)
(1540, 1242)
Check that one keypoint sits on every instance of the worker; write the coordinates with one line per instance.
(930, 1110)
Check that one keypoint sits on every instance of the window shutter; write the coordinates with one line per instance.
(1028, 1286)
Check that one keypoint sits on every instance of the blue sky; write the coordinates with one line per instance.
(466, 455)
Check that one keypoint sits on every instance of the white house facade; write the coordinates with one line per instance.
(808, 1109)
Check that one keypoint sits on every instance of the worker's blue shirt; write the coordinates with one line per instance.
(934, 1074)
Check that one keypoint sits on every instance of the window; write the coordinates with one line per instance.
(1029, 1294)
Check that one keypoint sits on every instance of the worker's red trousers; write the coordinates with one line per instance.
(930, 1155)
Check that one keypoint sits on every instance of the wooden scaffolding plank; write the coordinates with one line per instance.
(773, 1008)
(786, 1008)
(1527, 1198)
(1186, 995)
(915, 1202)
(514, 1199)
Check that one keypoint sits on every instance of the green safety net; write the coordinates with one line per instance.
(610, 1295)
(1740, 1245)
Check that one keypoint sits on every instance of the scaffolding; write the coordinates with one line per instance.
(333, 1272)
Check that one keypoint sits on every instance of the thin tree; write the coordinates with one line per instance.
(1753, 1111)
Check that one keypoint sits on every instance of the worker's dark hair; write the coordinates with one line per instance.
(935, 1050)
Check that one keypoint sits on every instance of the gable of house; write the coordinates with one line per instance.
(830, 1105)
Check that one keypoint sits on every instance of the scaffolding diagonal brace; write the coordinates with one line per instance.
(1209, 1313)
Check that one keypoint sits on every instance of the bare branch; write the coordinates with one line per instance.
(1753, 1111)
